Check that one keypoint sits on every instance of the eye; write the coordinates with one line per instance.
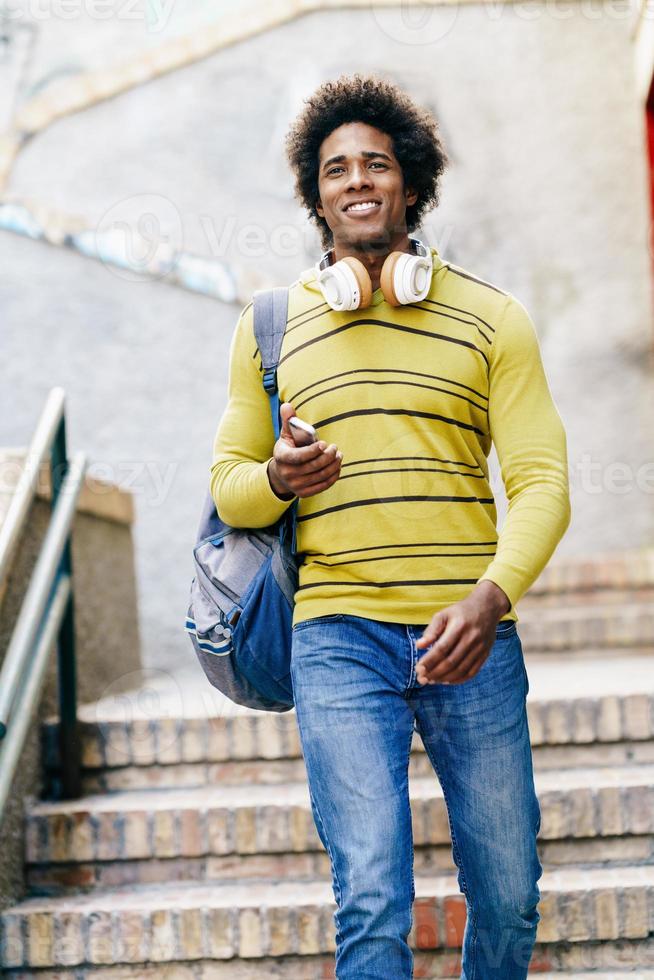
(374, 163)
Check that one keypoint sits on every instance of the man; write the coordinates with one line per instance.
(405, 611)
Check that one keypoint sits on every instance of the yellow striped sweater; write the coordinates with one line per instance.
(414, 397)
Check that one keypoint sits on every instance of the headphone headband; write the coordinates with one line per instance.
(404, 278)
(418, 247)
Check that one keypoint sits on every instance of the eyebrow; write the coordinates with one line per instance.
(368, 154)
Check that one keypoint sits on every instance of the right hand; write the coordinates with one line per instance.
(301, 470)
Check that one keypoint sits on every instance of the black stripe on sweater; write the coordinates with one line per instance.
(402, 499)
(397, 411)
(389, 326)
(438, 554)
(412, 384)
(390, 585)
(416, 374)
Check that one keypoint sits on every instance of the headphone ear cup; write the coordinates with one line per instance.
(345, 284)
(405, 278)
(363, 280)
(387, 278)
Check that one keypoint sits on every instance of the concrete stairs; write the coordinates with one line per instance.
(606, 602)
(193, 854)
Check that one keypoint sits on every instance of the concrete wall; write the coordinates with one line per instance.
(106, 631)
(546, 195)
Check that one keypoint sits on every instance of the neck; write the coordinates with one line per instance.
(373, 256)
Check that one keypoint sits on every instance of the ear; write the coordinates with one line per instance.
(411, 196)
(319, 208)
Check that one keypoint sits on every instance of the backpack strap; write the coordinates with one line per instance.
(270, 315)
(270, 308)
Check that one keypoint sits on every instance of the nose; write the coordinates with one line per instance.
(360, 176)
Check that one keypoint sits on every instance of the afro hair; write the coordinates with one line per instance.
(368, 99)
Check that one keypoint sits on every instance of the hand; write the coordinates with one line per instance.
(460, 637)
(301, 470)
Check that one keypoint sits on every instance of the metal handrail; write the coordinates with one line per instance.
(11, 748)
(36, 599)
(25, 491)
(46, 612)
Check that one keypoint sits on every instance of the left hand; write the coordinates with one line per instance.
(460, 637)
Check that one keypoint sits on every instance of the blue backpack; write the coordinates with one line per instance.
(243, 591)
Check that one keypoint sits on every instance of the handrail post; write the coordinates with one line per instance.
(69, 744)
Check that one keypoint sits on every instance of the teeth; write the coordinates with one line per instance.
(362, 207)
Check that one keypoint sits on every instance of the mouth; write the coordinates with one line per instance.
(357, 208)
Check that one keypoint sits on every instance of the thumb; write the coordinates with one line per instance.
(286, 411)
(434, 630)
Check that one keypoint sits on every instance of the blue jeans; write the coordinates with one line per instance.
(357, 701)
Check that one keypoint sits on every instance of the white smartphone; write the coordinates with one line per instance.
(303, 433)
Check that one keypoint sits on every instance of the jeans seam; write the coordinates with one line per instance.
(313, 620)
(328, 846)
(459, 860)
(412, 659)
(526, 676)
(408, 804)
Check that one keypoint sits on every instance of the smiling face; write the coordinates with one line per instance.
(362, 193)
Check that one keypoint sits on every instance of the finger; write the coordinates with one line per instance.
(450, 665)
(303, 475)
(286, 433)
(286, 411)
(325, 481)
(467, 667)
(299, 455)
(433, 630)
(442, 646)
(327, 458)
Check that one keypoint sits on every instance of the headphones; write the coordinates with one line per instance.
(405, 278)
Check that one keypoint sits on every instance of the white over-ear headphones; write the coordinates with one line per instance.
(405, 278)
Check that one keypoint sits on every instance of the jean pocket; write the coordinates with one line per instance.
(318, 621)
(507, 630)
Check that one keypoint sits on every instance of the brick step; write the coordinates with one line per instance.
(582, 711)
(638, 974)
(57, 879)
(632, 570)
(595, 975)
(186, 922)
(589, 816)
(595, 599)
(428, 965)
(291, 770)
(572, 626)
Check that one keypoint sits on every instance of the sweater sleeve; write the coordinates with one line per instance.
(244, 440)
(531, 447)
